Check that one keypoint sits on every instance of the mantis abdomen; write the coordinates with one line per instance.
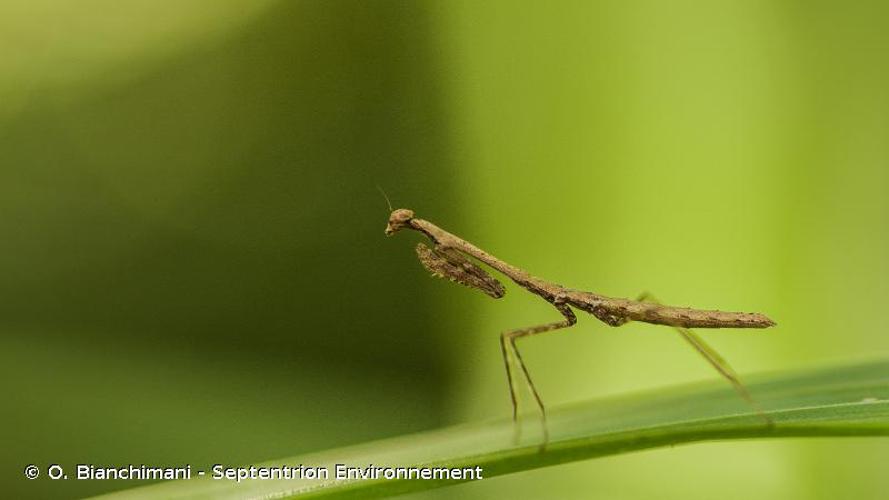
(685, 317)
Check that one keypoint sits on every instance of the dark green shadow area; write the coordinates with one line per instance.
(194, 268)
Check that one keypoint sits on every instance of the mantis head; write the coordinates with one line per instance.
(399, 219)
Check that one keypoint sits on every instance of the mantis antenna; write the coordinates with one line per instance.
(388, 202)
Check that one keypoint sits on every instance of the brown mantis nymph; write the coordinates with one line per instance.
(448, 259)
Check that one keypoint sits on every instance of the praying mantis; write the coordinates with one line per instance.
(450, 256)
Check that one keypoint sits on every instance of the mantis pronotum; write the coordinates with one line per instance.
(448, 259)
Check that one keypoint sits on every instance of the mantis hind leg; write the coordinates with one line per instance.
(715, 360)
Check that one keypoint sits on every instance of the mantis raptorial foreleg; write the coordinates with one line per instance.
(715, 360)
(445, 262)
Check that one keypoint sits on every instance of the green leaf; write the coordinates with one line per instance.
(837, 401)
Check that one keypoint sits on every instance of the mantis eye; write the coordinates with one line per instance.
(450, 264)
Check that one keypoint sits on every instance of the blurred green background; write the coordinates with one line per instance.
(193, 267)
